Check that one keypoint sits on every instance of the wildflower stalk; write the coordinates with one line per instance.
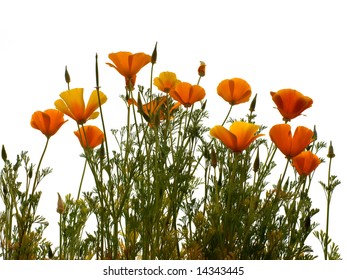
(100, 108)
(328, 191)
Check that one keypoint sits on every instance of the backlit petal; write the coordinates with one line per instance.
(244, 133)
(74, 101)
(93, 103)
(301, 139)
(281, 135)
(224, 135)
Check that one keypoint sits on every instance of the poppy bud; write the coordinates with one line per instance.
(331, 153)
(3, 153)
(307, 222)
(213, 158)
(203, 106)
(102, 151)
(30, 172)
(60, 207)
(253, 103)
(67, 76)
(50, 253)
(202, 69)
(154, 54)
(256, 163)
(4, 189)
(96, 71)
(315, 135)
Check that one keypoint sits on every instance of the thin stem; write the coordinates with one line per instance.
(101, 114)
(329, 193)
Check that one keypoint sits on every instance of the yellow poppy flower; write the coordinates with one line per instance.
(72, 104)
(239, 136)
(291, 103)
(128, 65)
(166, 81)
(186, 94)
(48, 121)
(234, 91)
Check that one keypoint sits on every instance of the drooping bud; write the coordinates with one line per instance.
(202, 69)
(331, 153)
(253, 103)
(3, 153)
(154, 54)
(60, 207)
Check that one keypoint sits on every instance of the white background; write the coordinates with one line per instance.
(271, 44)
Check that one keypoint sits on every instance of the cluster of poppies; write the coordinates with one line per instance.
(238, 137)
(290, 103)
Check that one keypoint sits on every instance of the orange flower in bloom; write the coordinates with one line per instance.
(187, 94)
(128, 65)
(166, 81)
(90, 136)
(48, 121)
(239, 136)
(291, 103)
(157, 106)
(290, 145)
(305, 163)
(234, 91)
(72, 104)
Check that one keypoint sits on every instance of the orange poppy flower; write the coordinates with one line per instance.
(290, 103)
(187, 94)
(48, 121)
(239, 136)
(290, 145)
(234, 91)
(305, 163)
(157, 106)
(89, 136)
(128, 65)
(72, 104)
(166, 81)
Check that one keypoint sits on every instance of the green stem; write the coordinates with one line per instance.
(329, 193)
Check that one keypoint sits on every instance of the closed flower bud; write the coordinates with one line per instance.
(213, 158)
(202, 69)
(154, 54)
(67, 76)
(203, 106)
(30, 172)
(331, 153)
(3, 153)
(60, 207)
(253, 103)
(315, 135)
(256, 163)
